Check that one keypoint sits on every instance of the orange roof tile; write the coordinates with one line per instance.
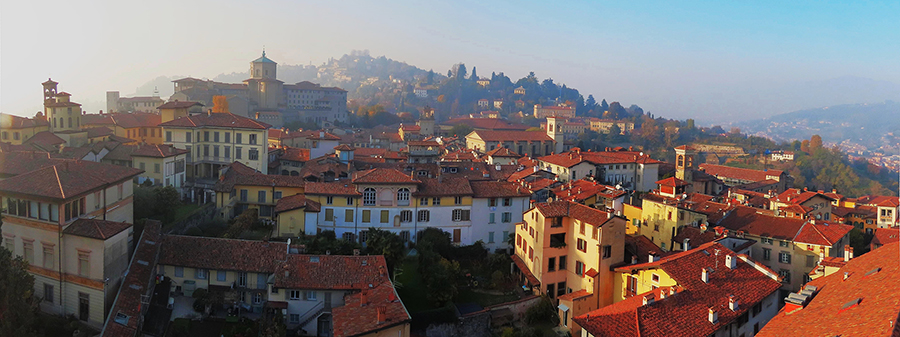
(62, 179)
(96, 228)
(331, 272)
(294, 202)
(737, 173)
(512, 136)
(361, 311)
(685, 313)
(871, 287)
(383, 176)
(222, 254)
(216, 120)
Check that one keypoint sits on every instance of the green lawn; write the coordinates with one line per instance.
(412, 291)
(182, 212)
(469, 296)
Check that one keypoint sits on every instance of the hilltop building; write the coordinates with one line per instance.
(263, 94)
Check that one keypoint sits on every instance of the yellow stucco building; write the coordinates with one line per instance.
(72, 222)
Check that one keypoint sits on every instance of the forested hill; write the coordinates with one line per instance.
(866, 124)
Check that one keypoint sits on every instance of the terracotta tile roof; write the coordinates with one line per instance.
(871, 285)
(344, 147)
(156, 150)
(45, 139)
(737, 173)
(885, 236)
(686, 312)
(695, 236)
(239, 174)
(65, 178)
(216, 120)
(524, 269)
(573, 210)
(53, 104)
(461, 155)
(311, 134)
(832, 261)
(331, 188)
(540, 184)
(222, 254)
(138, 281)
(796, 196)
(448, 186)
(178, 105)
(382, 176)
(580, 190)
(686, 148)
(324, 165)
(423, 143)
(512, 136)
(498, 189)
(96, 228)
(410, 127)
(331, 272)
(296, 201)
(822, 233)
(672, 181)
(307, 85)
(98, 132)
(578, 294)
(502, 152)
(295, 154)
(276, 133)
(15, 163)
(125, 120)
(572, 158)
(879, 200)
(360, 313)
(526, 171)
(141, 99)
(754, 199)
(747, 219)
(8, 121)
(640, 247)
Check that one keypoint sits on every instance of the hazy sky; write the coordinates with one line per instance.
(709, 60)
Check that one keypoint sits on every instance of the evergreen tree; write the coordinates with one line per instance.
(429, 79)
(474, 76)
(461, 71)
(590, 103)
(17, 302)
(604, 106)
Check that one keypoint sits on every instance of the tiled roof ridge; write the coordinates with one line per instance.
(59, 182)
(816, 228)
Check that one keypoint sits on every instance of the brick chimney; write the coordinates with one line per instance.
(649, 299)
(848, 253)
(381, 314)
(363, 298)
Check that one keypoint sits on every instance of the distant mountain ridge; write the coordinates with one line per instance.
(866, 124)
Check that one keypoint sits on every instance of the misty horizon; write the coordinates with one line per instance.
(716, 63)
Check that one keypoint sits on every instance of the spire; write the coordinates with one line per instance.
(264, 51)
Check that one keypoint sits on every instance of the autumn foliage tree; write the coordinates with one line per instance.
(220, 104)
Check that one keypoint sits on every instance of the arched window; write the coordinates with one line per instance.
(369, 197)
(70, 122)
(403, 197)
(54, 122)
